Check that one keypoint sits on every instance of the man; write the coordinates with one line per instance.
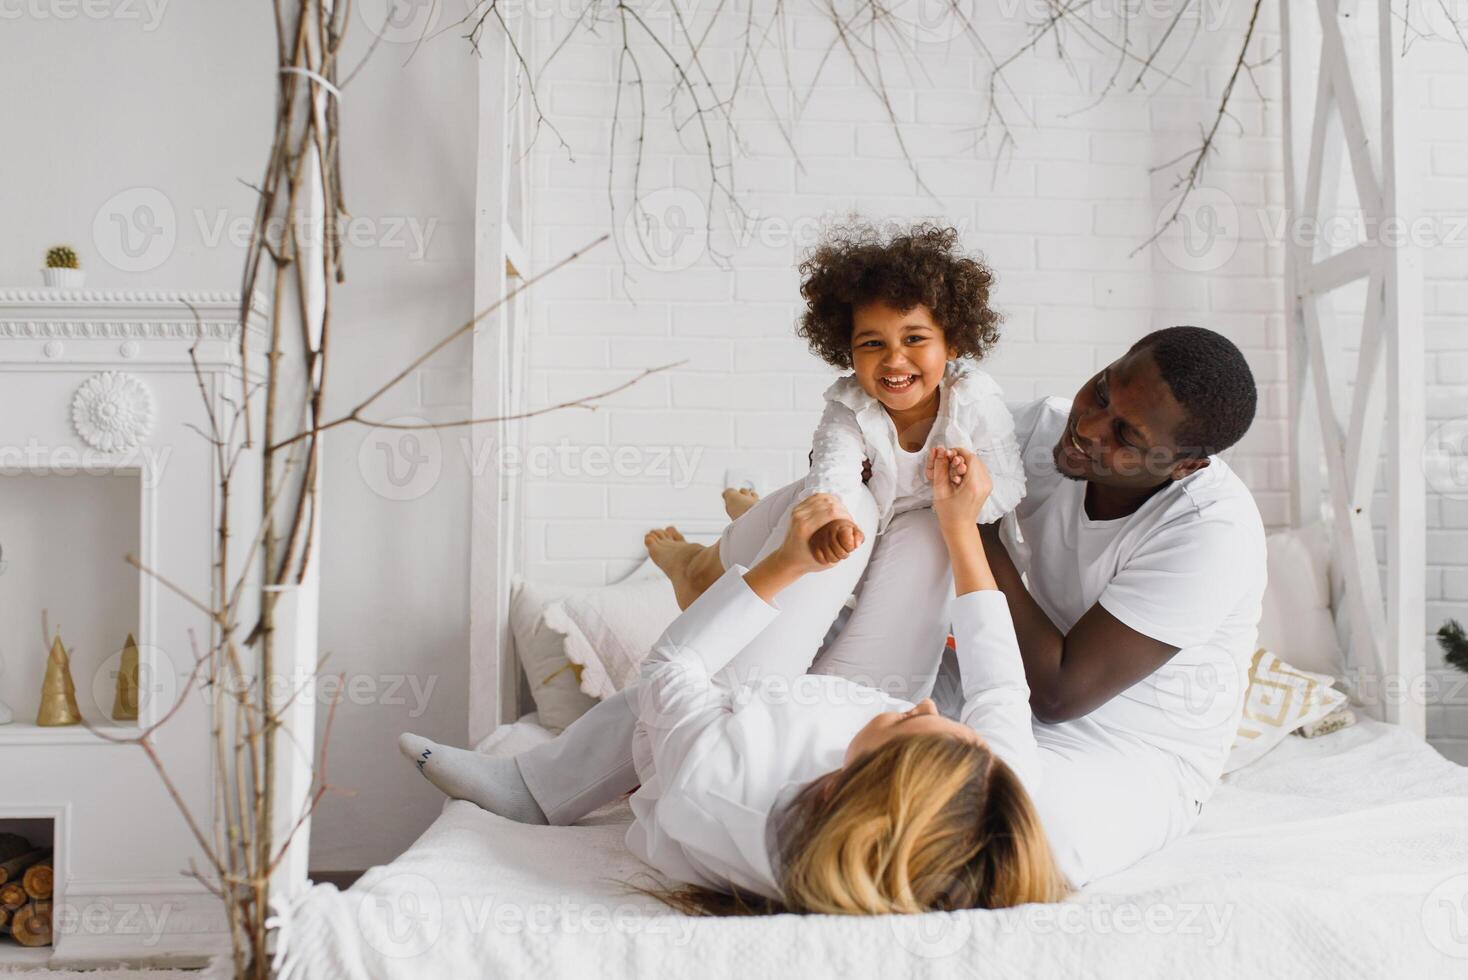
(1143, 564)
(1134, 570)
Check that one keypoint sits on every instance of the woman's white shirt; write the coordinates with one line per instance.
(714, 761)
(972, 415)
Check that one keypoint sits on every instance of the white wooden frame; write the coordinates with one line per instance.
(1384, 629)
(498, 376)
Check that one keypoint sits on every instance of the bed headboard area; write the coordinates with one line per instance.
(1357, 436)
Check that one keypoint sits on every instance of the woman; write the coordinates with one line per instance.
(814, 793)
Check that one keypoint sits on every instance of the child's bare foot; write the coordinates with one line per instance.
(835, 541)
(738, 500)
(691, 568)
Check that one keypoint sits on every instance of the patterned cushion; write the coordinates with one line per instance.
(1280, 699)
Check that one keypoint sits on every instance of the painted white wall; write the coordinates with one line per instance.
(182, 105)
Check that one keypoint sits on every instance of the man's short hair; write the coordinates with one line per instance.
(1211, 380)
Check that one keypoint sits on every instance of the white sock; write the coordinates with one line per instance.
(490, 782)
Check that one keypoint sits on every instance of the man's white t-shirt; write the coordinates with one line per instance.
(1188, 568)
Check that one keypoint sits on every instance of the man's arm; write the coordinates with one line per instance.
(1073, 674)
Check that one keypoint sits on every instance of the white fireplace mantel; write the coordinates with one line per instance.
(112, 382)
(154, 326)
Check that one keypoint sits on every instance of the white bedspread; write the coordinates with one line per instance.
(1343, 856)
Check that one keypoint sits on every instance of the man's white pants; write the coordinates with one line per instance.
(891, 640)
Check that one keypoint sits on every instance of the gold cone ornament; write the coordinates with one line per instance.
(125, 706)
(58, 693)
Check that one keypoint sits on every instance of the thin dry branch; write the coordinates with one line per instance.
(1188, 181)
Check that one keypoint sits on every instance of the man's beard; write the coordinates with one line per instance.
(1055, 458)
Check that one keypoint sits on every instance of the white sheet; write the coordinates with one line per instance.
(1335, 857)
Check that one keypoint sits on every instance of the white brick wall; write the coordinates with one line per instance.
(1058, 219)
(1443, 126)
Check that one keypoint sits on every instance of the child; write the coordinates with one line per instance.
(813, 793)
(908, 314)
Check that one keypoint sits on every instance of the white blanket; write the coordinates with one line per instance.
(1343, 856)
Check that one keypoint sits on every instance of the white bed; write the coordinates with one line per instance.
(1333, 857)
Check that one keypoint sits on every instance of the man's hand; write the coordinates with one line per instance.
(961, 485)
(835, 541)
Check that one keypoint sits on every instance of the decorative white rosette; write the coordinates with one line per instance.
(112, 411)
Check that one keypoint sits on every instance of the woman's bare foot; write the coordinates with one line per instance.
(737, 500)
(692, 568)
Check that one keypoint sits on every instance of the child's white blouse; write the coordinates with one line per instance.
(855, 427)
(716, 763)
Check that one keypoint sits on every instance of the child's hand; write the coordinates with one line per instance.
(835, 541)
(961, 485)
(956, 465)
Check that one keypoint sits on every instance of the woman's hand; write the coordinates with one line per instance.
(821, 512)
(957, 506)
(836, 541)
(794, 557)
(961, 485)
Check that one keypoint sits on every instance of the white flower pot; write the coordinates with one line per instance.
(64, 278)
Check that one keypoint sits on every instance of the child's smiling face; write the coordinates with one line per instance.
(898, 356)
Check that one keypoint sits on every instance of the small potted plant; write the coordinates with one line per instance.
(62, 268)
(1454, 643)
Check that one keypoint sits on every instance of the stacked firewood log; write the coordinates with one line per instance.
(26, 879)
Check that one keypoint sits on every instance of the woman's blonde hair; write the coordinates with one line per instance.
(922, 823)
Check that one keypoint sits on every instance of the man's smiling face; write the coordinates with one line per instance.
(1122, 430)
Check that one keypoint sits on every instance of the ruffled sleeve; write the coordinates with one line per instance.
(982, 422)
(838, 447)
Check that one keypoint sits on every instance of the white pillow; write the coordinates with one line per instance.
(552, 678)
(1296, 615)
(1280, 699)
(609, 631)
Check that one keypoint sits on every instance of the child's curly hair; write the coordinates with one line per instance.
(857, 263)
